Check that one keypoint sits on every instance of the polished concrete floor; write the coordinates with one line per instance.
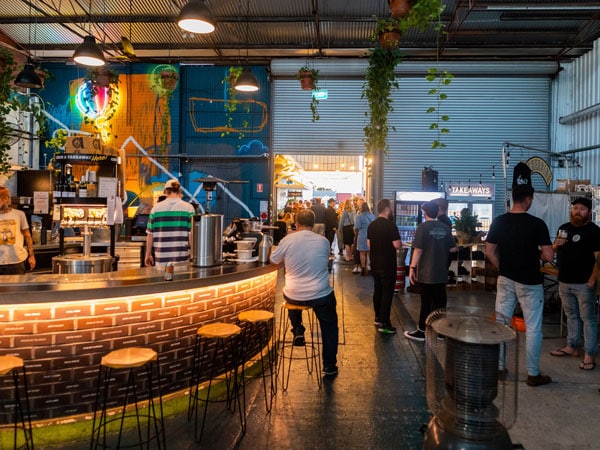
(378, 400)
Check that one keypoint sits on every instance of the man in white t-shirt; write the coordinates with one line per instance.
(14, 237)
(305, 256)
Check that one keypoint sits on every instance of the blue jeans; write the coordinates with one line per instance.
(531, 299)
(325, 310)
(579, 303)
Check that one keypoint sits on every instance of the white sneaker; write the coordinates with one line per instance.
(356, 270)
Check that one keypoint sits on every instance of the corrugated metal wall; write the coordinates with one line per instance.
(484, 112)
(576, 88)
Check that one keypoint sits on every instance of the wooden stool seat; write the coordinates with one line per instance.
(255, 316)
(219, 330)
(287, 305)
(129, 358)
(9, 363)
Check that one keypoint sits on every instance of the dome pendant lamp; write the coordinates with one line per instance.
(27, 78)
(195, 17)
(88, 53)
(246, 82)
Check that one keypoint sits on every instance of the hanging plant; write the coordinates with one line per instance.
(440, 78)
(309, 78)
(380, 79)
(232, 102)
(309, 81)
(164, 78)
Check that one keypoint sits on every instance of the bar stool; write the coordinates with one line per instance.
(12, 364)
(224, 340)
(260, 323)
(129, 359)
(286, 347)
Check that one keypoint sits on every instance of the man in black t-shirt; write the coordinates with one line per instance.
(513, 246)
(383, 239)
(577, 246)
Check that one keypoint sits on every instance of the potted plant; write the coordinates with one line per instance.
(308, 77)
(380, 79)
(466, 226)
(387, 32)
(169, 78)
(102, 77)
(400, 8)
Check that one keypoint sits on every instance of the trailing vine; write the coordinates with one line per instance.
(380, 79)
(232, 102)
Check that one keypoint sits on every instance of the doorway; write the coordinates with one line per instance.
(303, 177)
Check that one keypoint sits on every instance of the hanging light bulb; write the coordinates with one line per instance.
(195, 17)
(88, 53)
(27, 77)
(246, 82)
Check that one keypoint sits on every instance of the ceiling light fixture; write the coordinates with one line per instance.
(246, 82)
(27, 78)
(195, 17)
(88, 53)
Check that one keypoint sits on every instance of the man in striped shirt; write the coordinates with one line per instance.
(169, 227)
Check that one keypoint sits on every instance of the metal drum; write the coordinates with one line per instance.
(78, 263)
(207, 245)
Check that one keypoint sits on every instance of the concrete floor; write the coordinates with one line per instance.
(378, 399)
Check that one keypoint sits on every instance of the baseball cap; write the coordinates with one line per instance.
(172, 184)
(583, 201)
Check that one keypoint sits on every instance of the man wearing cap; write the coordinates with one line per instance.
(577, 246)
(169, 227)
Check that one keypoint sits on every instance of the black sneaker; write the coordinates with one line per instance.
(330, 371)
(538, 380)
(386, 329)
(416, 335)
(299, 341)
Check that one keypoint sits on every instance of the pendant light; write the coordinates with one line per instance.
(246, 82)
(27, 78)
(88, 53)
(195, 17)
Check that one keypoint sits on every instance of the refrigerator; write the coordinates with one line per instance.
(407, 209)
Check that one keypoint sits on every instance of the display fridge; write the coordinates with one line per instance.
(408, 211)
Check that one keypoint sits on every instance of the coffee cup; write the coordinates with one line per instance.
(244, 254)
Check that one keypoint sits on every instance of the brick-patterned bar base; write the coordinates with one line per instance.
(62, 342)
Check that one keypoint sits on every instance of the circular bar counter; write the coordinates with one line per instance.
(61, 325)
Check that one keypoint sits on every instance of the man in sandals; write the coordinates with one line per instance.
(577, 246)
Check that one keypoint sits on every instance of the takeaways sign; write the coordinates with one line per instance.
(477, 190)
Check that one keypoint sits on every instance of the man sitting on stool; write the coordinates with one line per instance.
(305, 256)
